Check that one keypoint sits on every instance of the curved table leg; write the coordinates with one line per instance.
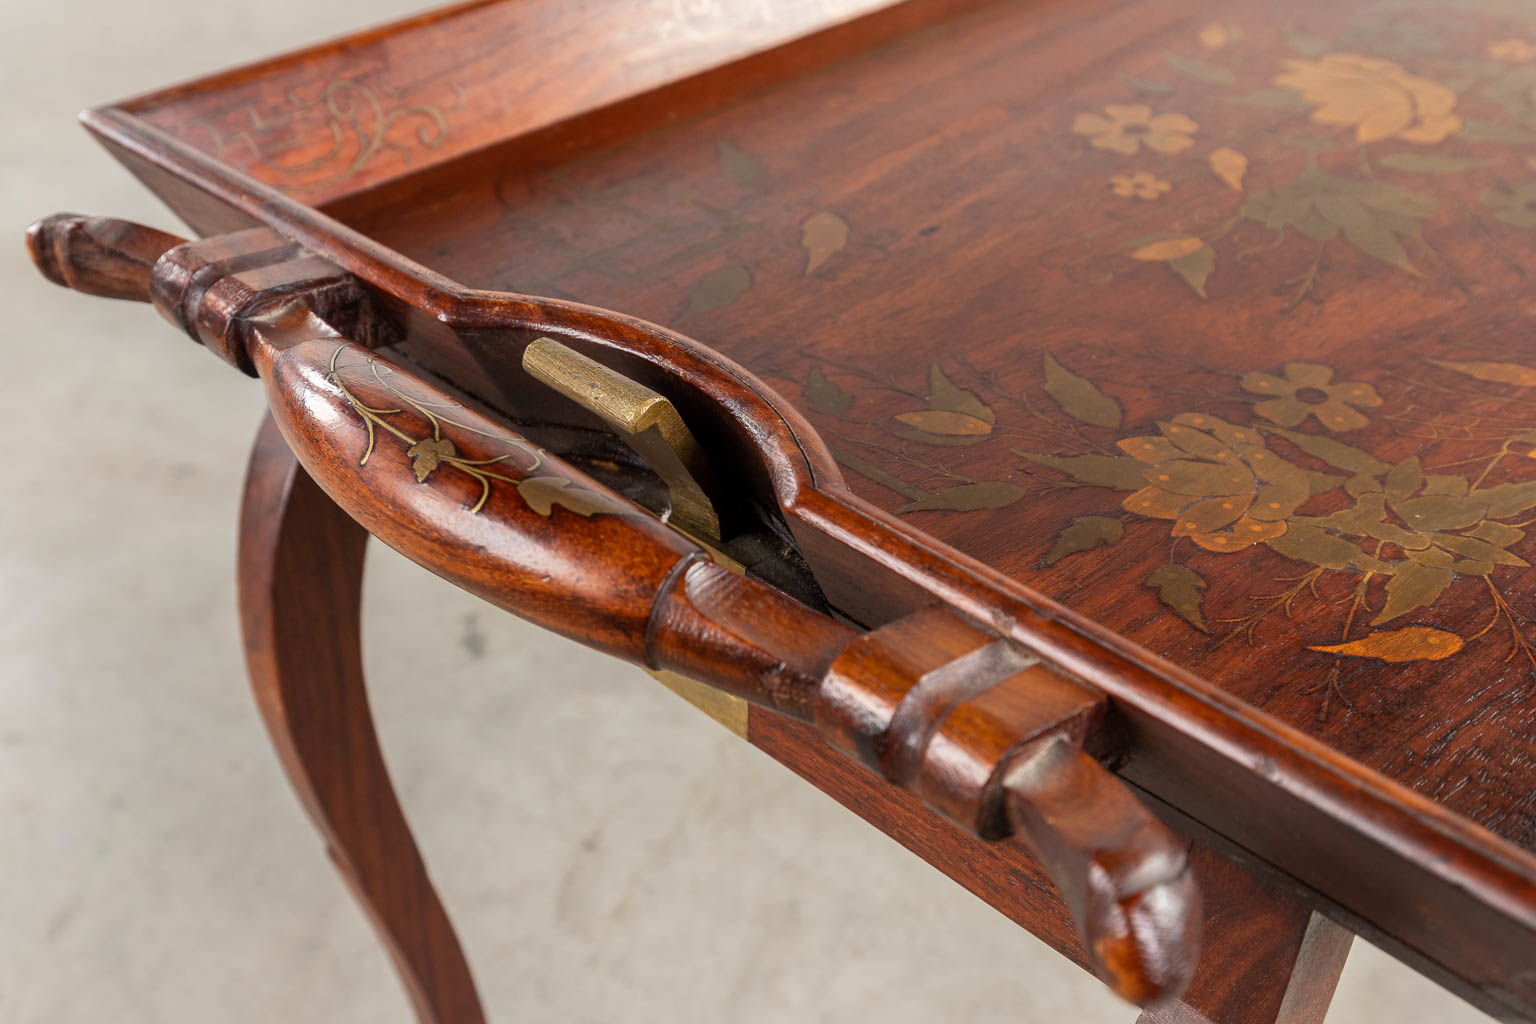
(300, 575)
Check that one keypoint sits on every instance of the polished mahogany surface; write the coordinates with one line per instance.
(1207, 324)
(1200, 319)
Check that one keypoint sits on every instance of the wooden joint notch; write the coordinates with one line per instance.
(210, 288)
(213, 288)
(1004, 746)
(942, 707)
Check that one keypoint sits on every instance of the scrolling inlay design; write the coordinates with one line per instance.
(357, 119)
(430, 452)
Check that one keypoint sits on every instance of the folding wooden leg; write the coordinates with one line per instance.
(301, 562)
(1268, 958)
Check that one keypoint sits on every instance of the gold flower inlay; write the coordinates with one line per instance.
(1126, 128)
(1307, 389)
(1141, 185)
(1377, 97)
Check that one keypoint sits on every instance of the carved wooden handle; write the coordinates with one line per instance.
(980, 730)
(1123, 873)
(97, 255)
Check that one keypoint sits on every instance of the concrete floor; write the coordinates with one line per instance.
(609, 854)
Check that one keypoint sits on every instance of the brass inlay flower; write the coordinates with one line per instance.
(1219, 483)
(1377, 97)
(1307, 389)
(1125, 128)
(1141, 185)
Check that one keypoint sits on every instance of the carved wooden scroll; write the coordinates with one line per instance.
(938, 705)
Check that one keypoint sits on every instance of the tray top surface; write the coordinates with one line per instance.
(1208, 327)
(1203, 320)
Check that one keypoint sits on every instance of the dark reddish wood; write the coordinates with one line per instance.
(1263, 785)
(1122, 872)
(1281, 960)
(1267, 957)
(984, 232)
(943, 707)
(97, 255)
(301, 574)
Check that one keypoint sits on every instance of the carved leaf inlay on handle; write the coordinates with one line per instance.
(541, 493)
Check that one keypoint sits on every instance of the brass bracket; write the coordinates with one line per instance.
(645, 420)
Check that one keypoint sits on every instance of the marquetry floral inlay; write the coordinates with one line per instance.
(1308, 389)
(1125, 128)
(1376, 97)
(518, 466)
(1141, 185)
(1273, 472)
(1376, 138)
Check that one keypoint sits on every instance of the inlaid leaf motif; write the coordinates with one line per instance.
(543, 493)
(1325, 550)
(1497, 533)
(1444, 483)
(822, 234)
(1279, 98)
(1083, 534)
(1494, 131)
(740, 166)
(1372, 215)
(1382, 244)
(1150, 86)
(427, 454)
(1411, 643)
(1494, 373)
(1404, 479)
(954, 415)
(1195, 268)
(1307, 45)
(968, 497)
(1229, 165)
(825, 397)
(1335, 453)
(1414, 585)
(1198, 69)
(945, 423)
(1123, 473)
(1167, 249)
(1441, 511)
(1477, 550)
(1079, 397)
(720, 287)
(1508, 499)
(1429, 163)
(1182, 589)
(944, 394)
(1319, 482)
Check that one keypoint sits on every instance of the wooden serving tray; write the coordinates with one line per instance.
(1195, 332)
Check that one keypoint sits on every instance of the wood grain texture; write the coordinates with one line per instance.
(1016, 212)
(300, 577)
(332, 119)
(1280, 960)
(1253, 964)
(986, 736)
(1180, 222)
(1264, 786)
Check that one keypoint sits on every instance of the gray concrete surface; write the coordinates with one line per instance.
(609, 855)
